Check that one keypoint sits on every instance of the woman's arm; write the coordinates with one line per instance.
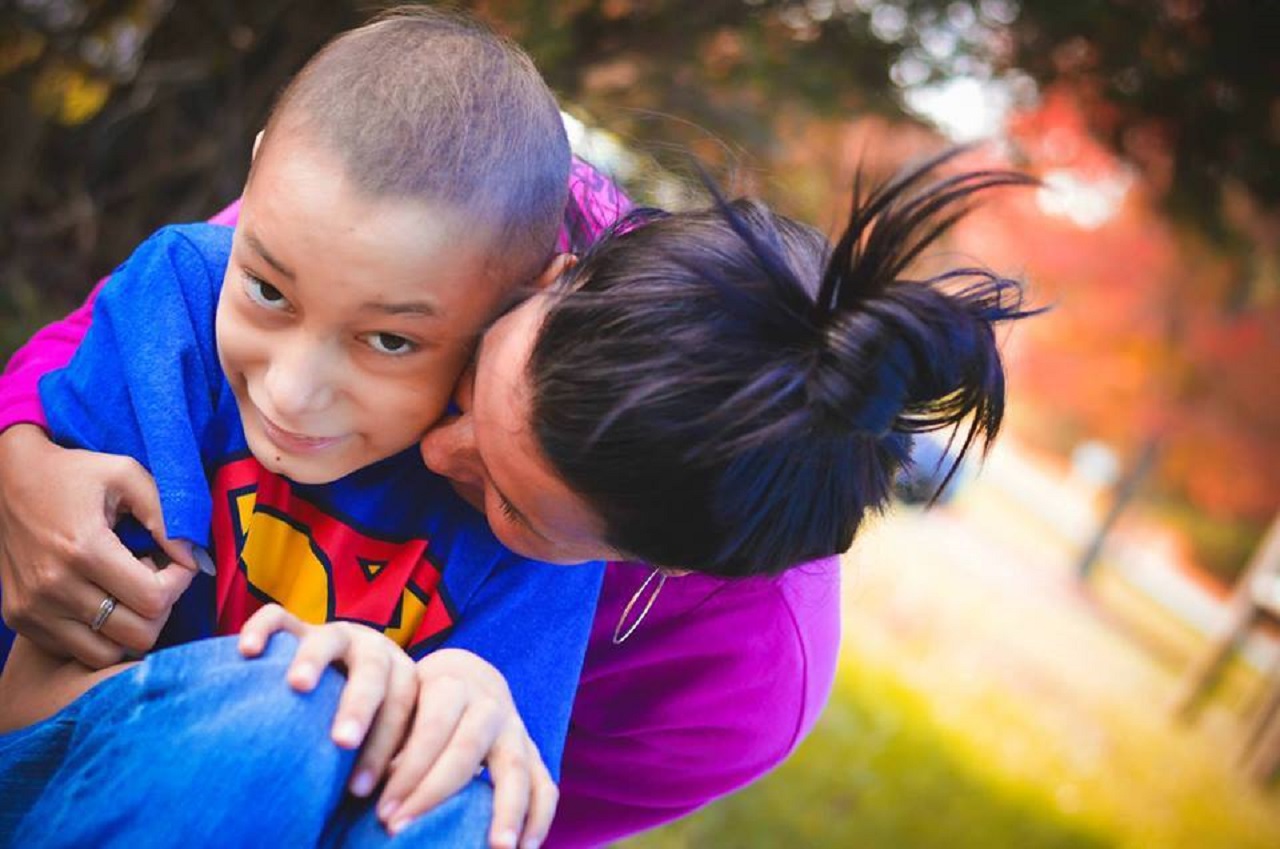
(52, 347)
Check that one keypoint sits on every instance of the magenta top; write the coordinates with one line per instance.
(714, 688)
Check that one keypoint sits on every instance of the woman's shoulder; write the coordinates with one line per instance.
(751, 658)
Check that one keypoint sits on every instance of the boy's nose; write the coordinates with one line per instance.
(299, 381)
(449, 450)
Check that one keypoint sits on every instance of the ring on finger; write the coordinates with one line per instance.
(105, 610)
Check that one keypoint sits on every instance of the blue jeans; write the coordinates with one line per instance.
(197, 746)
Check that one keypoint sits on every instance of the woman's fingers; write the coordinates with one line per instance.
(390, 725)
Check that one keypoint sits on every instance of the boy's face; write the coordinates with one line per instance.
(344, 321)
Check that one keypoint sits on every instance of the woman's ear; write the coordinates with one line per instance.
(559, 264)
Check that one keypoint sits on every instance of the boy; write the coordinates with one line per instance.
(409, 180)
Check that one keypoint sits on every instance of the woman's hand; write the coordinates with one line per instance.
(442, 719)
(59, 558)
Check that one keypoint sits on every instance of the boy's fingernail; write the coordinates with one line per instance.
(348, 733)
(387, 808)
(303, 676)
(362, 784)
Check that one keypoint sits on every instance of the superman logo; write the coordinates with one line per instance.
(272, 546)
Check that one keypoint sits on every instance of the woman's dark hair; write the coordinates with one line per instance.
(732, 394)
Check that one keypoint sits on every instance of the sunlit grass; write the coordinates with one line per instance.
(983, 701)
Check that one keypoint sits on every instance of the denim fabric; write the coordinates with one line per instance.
(196, 746)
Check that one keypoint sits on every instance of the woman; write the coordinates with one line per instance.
(749, 398)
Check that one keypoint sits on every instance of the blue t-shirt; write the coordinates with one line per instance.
(389, 545)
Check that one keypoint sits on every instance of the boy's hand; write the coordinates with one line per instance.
(466, 718)
(59, 557)
(377, 701)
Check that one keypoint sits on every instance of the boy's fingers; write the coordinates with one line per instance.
(434, 723)
(544, 796)
(369, 671)
(511, 794)
(317, 648)
(389, 728)
(265, 622)
(457, 764)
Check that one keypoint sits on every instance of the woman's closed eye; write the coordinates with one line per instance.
(509, 510)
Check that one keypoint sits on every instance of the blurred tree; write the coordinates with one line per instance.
(120, 115)
(1187, 91)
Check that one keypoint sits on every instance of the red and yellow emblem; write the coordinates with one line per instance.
(272, 546)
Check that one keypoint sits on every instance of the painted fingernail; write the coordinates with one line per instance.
(347, 733)
(387, 808)
(362, 783)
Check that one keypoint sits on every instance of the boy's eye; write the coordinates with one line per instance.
(390, 343)
(264, 294)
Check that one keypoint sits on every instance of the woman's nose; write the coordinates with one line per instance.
(449, 450)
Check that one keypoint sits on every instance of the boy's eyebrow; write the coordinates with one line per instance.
(262, 251)
(424, 308)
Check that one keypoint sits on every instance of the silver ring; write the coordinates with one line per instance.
(105, 610)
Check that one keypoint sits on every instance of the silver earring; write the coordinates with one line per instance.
(619, 636)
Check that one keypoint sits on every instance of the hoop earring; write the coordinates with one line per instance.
(619, 637)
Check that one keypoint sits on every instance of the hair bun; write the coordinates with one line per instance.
(861, 375)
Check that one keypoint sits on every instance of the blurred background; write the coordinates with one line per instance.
(1049, 658)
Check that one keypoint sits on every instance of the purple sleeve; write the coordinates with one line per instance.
(715, 688)
(595, 202)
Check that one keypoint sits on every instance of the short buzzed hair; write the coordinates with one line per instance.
(431, 105)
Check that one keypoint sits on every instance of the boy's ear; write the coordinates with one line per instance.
(559, 264)
(257, 143)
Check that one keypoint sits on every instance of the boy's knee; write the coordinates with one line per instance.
(210, 689)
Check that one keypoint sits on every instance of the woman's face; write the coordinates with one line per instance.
(491, 455)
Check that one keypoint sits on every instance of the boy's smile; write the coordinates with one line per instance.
(344, 320)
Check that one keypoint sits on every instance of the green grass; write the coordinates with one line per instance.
(983, 701)
(880, 771)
